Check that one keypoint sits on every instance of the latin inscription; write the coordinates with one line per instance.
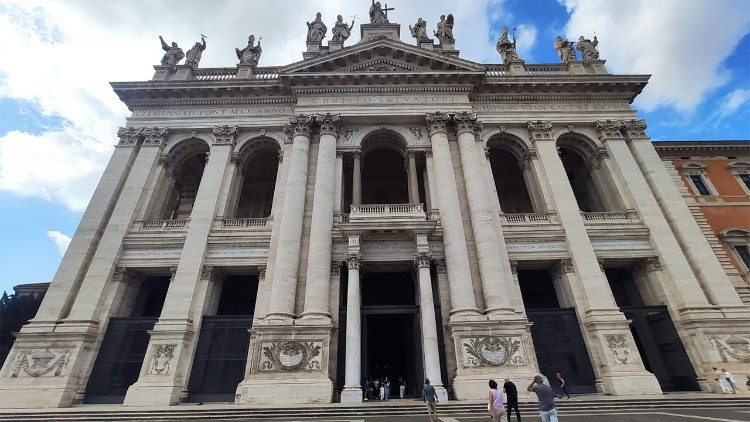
(386, 99)
(213, 112)
(550, 107)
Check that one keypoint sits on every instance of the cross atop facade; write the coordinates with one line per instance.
(386, 9)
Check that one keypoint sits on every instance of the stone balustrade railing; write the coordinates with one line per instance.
(163, 224)
(230, 73)
(526, 217)
(244, 222)
(546, 69)
(606, 216)
(387, 211)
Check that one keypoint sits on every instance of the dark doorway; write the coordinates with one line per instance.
(556, 333)
(654, 333)
(392, 348)
(123, 348)
(221, 352)
(384, 178)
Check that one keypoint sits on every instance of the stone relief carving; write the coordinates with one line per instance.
(492, 351)
(618, 344)
(349, 134)
(194, 55)
(564, 49)
(417, 132)
(316, 30)
(732, 347)
(161, 359)
(250, 55)
(173, 54)
(40, 362)
(341, 31)
(225, 135)
(588, 49)
(444, 31)
(506, 47)
(291, 356)
(540, 129)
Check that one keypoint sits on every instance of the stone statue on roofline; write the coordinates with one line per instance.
(173, 54)
(506, 47)
(565, 49)
(193, 56)
(377, 13)
(250, 55)
(588, 48)
(419, 31)
(341, 31)
(444, 31)
(316, 30)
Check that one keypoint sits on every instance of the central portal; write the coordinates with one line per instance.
(391, 332)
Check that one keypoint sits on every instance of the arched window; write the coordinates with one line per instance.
(179, 181)
(741, 171)
(698, 179)
(738, 241)
(593, 187)
(255, 179)
(384, 171)
(510, 183)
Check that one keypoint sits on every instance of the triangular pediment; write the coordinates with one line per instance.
(381, 56)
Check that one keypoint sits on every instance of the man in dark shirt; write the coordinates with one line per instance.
(546, 396)
(512, 393)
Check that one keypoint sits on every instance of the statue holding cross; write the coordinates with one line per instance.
(379, 14)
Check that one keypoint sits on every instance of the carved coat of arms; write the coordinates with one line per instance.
(492, 351)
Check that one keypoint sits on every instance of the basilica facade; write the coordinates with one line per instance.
(269, 235)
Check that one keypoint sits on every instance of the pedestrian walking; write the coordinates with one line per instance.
(495, 403)
(430, 398)
(401, 387)
(730, 380)
(382, 391)
(719, 377)
(546, 397)
(511, 403)
(747, 382)
(563, 385)
(387, 384)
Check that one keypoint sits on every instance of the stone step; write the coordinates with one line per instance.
(232, 412)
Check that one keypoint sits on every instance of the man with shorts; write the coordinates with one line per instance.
(430, 398)
(546, 396)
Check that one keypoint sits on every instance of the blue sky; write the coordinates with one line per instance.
(58, 115)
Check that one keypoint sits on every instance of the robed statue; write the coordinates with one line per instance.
(444, 31)
(588, 48)
(419, 31)
(506, 47)
(194, 55)
(565, 49)
(377, 14)
(316, 30)
(341, 31)
(173, 54)
(250, 54)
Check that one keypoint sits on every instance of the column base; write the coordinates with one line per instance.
(143, 394)
(351, 395)
(442, 393)
(631, 384)
(285, 391)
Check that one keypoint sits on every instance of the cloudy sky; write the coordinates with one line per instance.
(59, 116)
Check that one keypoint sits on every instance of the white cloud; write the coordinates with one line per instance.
(525, 40)
(61, 56)
(732, 102)
(682, 44)
(62, 241)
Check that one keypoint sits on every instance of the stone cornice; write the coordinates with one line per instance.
(736, 148)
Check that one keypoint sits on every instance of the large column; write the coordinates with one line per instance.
(463, 304)
(281, 307)
(413, 184)
(181, 315)
(430, 351)
(432, 189)
(339, 195)
(356, 180)
(352, 392)
(495, 272)
(604, 327)
(714, 281)
(319, 255)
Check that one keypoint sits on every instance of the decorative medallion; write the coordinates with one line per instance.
(40, 362)
(492, 351)
(291, 356)
(161, 359)
(732, 347)
(618, 344)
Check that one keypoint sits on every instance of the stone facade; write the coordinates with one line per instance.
(170, 207)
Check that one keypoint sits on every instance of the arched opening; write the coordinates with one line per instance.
(587, 195)
(510, 183)
(256, 183)
(384, 175)
(180, 185)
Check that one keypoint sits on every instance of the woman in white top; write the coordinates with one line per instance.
(495, 403)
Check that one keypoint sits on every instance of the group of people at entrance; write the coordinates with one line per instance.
(380, 389)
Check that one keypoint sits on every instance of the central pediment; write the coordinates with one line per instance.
(382, 56)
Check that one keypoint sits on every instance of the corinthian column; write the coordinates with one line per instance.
(352, 372)
(281, 307)
(496, 280)
(456, 255)
(319, 255)
(430, 353)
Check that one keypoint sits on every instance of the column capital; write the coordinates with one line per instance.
(329, 123)
(650, 265)
(262, 271)
(155, 136)
(540, 130)
(129, 135)
(441, 266)
(336, 268)
(635, 128)
(564, 266)
(234, 157)
(609, 129)
(466, 122)
(120, 274)
(412, 153)
(514, 267)
(353, 261)
(437, 122)
(525, 162)
(225, 135)
(422, 259)
(595, 160)
(299, 125)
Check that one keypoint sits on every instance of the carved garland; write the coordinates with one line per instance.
(292, 356)
(40, 362)
(492, 351)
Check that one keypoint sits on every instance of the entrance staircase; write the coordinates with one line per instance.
(228, 412)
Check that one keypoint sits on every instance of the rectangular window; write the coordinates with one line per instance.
(744, 253)
(697, 180)
(745, 179)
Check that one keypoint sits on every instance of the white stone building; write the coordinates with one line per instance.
(276, 235)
